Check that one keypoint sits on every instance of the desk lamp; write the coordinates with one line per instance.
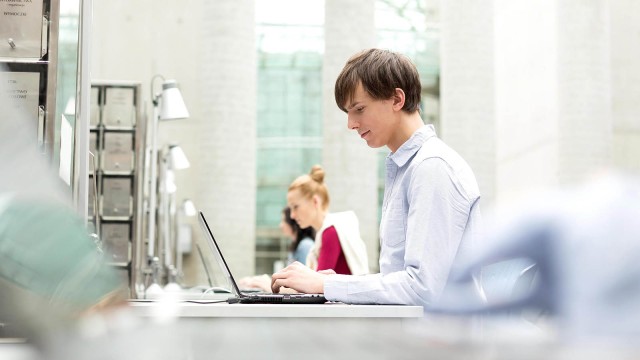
(167, 105)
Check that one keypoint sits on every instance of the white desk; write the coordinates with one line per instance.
(224, 310)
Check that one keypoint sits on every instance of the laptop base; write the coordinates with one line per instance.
(278, 299)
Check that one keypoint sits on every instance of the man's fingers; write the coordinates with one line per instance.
(275, 288)
(279, 275)
(276, 285)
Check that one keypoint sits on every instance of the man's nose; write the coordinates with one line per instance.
(351, 123)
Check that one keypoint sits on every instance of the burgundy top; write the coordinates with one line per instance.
(331, 255)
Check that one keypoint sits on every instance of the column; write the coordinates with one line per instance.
(625, 83)
(584, 89)
(350, 165)
(226, 128)
(468, 112)
(552, 93)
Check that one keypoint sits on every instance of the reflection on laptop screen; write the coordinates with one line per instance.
(254, 298)
(218, 254)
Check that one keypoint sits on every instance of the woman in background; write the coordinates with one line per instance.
(338, 245)
(301, 239)
(301, 245)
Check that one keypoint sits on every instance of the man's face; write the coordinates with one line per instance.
(374, 120)
(303, 210)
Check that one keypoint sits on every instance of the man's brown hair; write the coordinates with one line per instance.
(380, 72)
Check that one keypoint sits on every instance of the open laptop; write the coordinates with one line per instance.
(254, 298)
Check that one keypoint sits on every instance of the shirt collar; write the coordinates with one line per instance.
(411, 146)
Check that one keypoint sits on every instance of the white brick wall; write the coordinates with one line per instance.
(625, 80)
(467, 90)
(526, 90)
(584, 118)
(552, 93)
(526, 97)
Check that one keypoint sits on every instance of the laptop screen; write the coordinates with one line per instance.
(218, 254)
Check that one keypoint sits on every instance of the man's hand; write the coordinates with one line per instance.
(300, 278)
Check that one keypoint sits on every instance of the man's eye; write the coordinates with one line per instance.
(360, 109)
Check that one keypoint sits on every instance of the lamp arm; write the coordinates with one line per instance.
(153, 178)
(155, 98)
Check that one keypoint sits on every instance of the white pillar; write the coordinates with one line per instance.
(226, 128)
(350, 165)
(584, 89)
(552, 93)
(625, 83)
(526, 93)
(467, 88)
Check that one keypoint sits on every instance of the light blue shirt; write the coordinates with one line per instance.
(301, 252)
(430, 220)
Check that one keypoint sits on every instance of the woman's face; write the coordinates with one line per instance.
(303, 210)
(286, 229)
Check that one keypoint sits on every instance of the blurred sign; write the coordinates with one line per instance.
(23, 30)
(116, 237)
(22, 91)
(116, 197)
(119, 108)
(117, 156)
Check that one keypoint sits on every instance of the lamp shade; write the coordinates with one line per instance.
(179, 160)
(172, 106)
(189, 208)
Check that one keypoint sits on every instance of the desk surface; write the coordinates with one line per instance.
(187, 309)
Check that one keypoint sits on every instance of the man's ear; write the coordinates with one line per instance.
(398, 99)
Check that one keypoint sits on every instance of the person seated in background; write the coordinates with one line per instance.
(338, 246)
(301, 244)
(301, 239)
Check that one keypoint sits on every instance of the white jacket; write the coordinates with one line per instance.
(347, 226)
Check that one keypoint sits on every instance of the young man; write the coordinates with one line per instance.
(430, 210)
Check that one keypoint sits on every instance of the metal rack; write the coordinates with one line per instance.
(117, 138)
